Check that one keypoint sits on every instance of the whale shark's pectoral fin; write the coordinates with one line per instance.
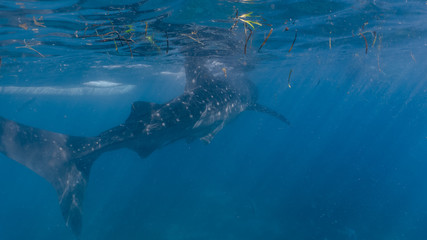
(261, 108)
(208, 138)
(141, 111)
(70, 196)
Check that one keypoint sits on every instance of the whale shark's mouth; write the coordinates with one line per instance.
(89, 88)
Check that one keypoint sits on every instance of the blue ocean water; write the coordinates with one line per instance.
(351, 166)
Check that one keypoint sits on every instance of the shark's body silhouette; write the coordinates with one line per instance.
(210, 100)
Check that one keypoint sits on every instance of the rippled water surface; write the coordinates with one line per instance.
(351, 77)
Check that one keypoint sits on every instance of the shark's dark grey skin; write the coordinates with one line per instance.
(210, 100)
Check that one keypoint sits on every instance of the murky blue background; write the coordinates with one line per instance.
(351, 166)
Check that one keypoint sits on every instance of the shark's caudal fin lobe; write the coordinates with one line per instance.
(64, 161)
(261, 108)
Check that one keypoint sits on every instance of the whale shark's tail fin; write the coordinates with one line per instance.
(63, 160)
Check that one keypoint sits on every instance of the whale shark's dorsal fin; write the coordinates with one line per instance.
(142, 111)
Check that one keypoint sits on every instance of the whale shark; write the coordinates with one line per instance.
(210, 100)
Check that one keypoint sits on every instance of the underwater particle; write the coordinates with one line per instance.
(379, 50)
(265, 40)
(375, 38)
(412, 56)
(289, 79)
(167, 43)
(290, 49)
(286, 28)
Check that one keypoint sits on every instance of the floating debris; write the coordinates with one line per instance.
(225, 72)
(244, 18)
(39, 21)
(364, 24)
(330, 42)
(150, 39)
(189, 36)
(30, 47)
(290, 49)
(250, 22)
(265, 40)
(366, 43)
(247, 39)
(130, 29)
(115, 35)
(375, 38)
(237, 19)
(146, 29)
(23, 26)
(285, 23)
(289, 79)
